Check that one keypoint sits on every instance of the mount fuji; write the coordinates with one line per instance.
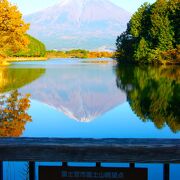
(86, 24)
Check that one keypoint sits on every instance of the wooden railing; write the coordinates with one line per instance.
(90, 150)
(131, 151)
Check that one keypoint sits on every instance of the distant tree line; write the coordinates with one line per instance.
(78, 53)
(152, 34)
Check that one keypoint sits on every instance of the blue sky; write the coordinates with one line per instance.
(31, 6)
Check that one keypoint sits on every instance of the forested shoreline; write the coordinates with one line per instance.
(152, 35)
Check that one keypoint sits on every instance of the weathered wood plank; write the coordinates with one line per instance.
(90, 150)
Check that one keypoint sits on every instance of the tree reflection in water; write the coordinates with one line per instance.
(13, 114)
(14, 78)
(153, 93)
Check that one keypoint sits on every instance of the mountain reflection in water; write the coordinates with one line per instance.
(82, 92)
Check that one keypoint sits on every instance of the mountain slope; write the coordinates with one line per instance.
(79, 24)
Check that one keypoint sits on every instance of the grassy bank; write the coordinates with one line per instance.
(4, 63)
(9, 60)
(99, 61)
(19, 59)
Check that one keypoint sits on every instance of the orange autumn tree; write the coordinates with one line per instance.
(13, 114)
(12, 29)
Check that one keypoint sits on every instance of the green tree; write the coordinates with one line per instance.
(35, 49)
(125, 47)
(142, 51)
(174, 17)
(161, 31)
(140, 21)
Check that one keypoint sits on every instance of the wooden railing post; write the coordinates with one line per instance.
(132, 165)
(32, 170)
(64, 164)
(166, 170)
(1, 170)
(98, 164)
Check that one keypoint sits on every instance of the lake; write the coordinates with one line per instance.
(73, 99)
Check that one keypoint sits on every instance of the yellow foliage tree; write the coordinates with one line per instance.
(12, 29)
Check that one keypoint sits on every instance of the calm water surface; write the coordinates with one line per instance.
(70, 98)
